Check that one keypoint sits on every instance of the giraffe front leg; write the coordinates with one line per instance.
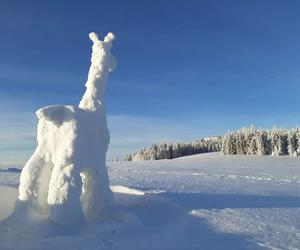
(96, 195)
(33, 182)
(64, 195)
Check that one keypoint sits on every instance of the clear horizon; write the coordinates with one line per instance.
(186, 69)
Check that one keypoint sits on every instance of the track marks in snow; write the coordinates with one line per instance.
(272, 228)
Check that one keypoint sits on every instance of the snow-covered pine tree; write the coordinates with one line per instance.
(231, 144)
(128, 157)
(274, 136)
(247, 141)
(239, 143)
(292, 142)
(298, 140)
(224, 146)
(176, 150)
(253, 146)
(261, 141)
(284, 141)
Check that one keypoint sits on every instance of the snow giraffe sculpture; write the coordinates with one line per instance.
(67, 175)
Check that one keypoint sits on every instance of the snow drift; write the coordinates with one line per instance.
(66, 177)
(205, 201)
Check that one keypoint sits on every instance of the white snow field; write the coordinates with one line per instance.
(205, 201)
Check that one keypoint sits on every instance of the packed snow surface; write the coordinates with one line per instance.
(206, 201)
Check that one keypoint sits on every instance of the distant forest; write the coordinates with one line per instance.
(253, 141)
(170, 150)
(245, 141)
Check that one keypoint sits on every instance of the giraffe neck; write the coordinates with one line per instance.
(95, 87)
(102, 63)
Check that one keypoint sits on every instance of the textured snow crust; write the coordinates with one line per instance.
(206, 201)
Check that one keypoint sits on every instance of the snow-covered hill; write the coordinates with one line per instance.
(205, 201)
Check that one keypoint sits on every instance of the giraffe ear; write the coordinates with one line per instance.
(94, 37)
(109, 38)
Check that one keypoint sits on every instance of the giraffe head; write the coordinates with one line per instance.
(101, 51)
(107, 42)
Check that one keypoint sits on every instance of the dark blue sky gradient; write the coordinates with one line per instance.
(218, 64)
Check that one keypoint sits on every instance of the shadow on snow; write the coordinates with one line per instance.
(163, 221)
(166, 218)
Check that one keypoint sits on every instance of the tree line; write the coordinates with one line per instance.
(245, 141)
(254, 141)
(171, 150)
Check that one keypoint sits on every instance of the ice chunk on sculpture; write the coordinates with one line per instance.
(67, 176)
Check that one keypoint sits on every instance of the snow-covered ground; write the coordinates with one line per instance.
(205, 201)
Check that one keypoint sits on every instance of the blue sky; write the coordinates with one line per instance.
(186, 69)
